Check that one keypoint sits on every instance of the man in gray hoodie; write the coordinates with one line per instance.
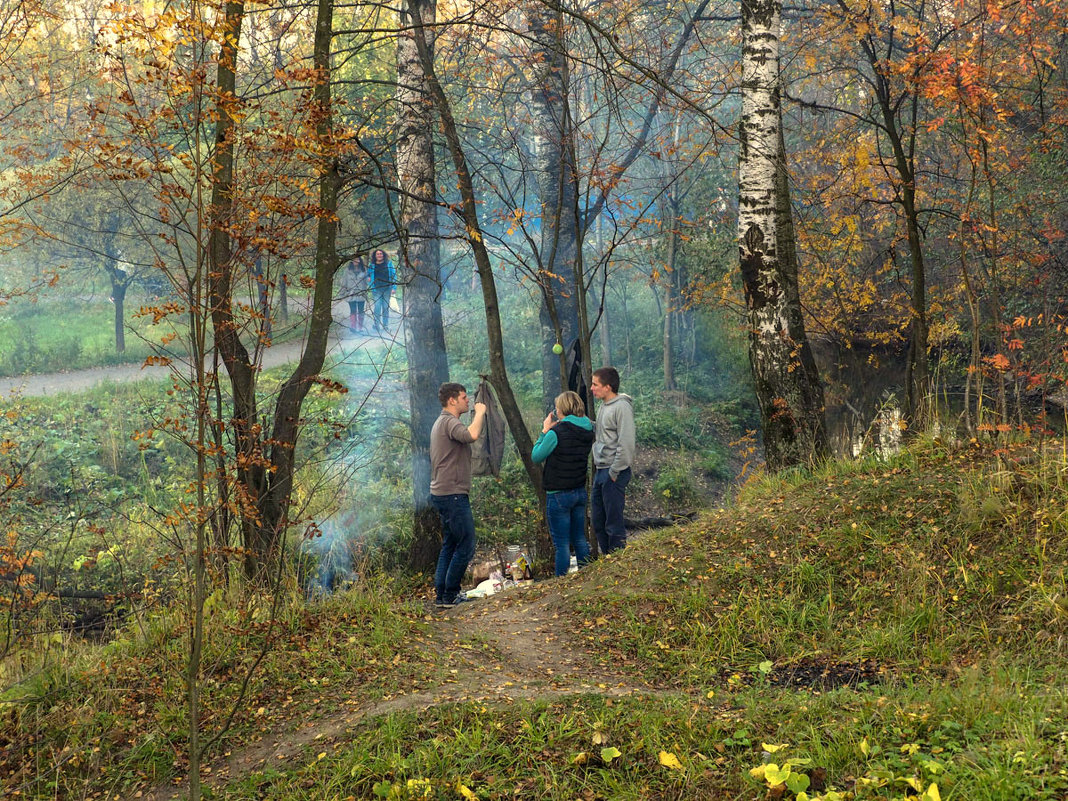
(613, 451)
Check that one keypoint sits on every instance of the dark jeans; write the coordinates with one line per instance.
(607, 509)
(381, 298)
(457, 543)
(566, 512)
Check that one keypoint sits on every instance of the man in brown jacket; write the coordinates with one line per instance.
(450, 484)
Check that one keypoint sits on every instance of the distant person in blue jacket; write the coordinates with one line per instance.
(383, 279)
(564, 445)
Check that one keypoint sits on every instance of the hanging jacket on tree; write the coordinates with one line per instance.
(576, 381)
(487, 452)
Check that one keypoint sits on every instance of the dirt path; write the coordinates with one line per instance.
(341, 347)
(512, 646)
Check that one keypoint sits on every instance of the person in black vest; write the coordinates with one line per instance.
(565, 449)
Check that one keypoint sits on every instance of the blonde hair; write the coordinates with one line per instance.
(570, 403)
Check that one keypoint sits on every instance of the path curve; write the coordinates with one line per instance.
(535, 657)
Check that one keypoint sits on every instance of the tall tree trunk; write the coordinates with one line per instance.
(809, 388)
(420, 273)
(275, 505)
(917, 379)
(264, 480)
(221, 274)
(670, 305)
(557, 187)
(118, 297)
(993, 270)
(786, 385)
(469, 212)
(220, 297)
(602, 322)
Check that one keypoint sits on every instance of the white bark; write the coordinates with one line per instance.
(784, 372)
(757, 233)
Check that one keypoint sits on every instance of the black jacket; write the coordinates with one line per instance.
(565, 468)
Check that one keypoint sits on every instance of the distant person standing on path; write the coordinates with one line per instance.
(383, 279)
(354, 286)
(564, 445)
(613, 452)
(450, 485)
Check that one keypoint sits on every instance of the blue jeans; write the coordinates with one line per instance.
(381, 298)
(606, 511)
(566, 512)
(457, 543)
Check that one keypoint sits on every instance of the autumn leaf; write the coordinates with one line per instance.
(998, 361)
(669, 760)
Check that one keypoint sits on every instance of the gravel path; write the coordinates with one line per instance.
(342, 347)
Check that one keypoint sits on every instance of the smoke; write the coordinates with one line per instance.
(362, 463)
(329, 560)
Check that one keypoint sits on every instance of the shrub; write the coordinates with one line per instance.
(676, 485)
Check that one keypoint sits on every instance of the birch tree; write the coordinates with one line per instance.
(784, 372)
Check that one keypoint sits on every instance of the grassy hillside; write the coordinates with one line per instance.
(877, 629)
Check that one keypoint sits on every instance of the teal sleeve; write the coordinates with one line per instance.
(544, 446)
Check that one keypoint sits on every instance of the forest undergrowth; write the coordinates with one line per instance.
(871, 629)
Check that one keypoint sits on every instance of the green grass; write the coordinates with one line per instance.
(111, 717)
(907, 562)
(49, 336)
(55, 334)
(972, 740)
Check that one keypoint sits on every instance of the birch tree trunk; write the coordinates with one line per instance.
(420, 273)
(784, 374)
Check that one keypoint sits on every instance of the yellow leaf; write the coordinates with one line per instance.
(465, 791)
(771, 749)
(669, 760)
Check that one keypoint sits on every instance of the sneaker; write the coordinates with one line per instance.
(460, 598)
